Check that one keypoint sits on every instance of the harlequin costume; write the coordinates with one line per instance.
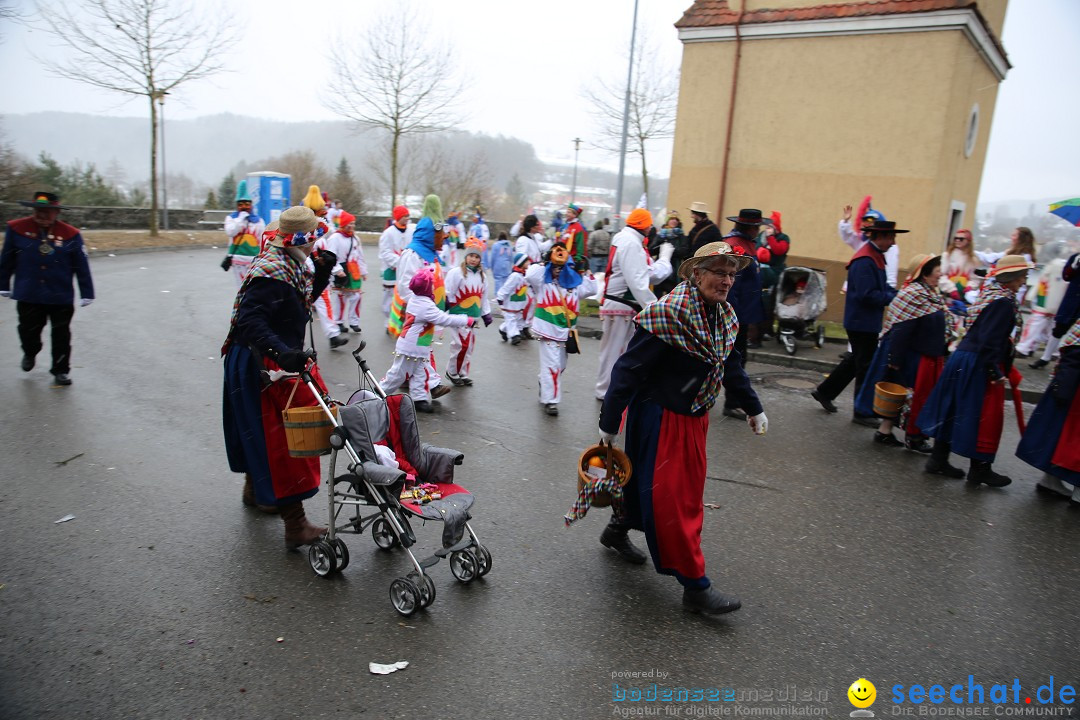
(480, 232)
(557, 289)
(455, 238)
(348, 274)
(244, 229)
(574, 237)
(466, 294)
(513, 298)
(395, 238)
(418, 254)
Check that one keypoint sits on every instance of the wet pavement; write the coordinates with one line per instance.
(165, 598)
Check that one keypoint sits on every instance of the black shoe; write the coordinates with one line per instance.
(516, 340)
(27, 363)
(1038, 364)
(918, 444)
(551, 409)
(342, 328)
(527, 334)
(866, 421)
(1022, 354)
(1051, 492)
(439, 390)
(466, 381)
(355, 328)
(502, 334)
(337, 341)
(887, 440)
(983, 472)
(62, 379)
(734, 413)
(709, 601)
(619, 541)
(423, 406)
(455, 379)
(825, 402)
(938, 467)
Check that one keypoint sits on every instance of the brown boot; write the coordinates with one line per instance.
(248, 497)
(298, 531)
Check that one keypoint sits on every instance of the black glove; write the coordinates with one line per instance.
(486, 318)
(294, 360)
(226, 263)
(1059, 330)
(325, 257)
(341, 281)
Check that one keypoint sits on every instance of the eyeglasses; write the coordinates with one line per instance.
(959, 237)
(721, 273)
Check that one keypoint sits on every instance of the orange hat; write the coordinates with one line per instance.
(640, 219)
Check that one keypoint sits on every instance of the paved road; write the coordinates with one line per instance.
(165, 597)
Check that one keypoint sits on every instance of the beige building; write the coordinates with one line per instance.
(800, 107)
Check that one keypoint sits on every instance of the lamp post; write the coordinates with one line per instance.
(625, 123)
(573, 188)
(164, 176)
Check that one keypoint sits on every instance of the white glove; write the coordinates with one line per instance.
(5, 293)
(85, 301)
(758, 423)
(666, 251)
(1076, 262)
(606, 437)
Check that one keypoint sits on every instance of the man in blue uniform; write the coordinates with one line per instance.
(745, 295)
(45, 255)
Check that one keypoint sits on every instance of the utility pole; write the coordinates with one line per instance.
(625, 124)
(573, 188)
(160, 96)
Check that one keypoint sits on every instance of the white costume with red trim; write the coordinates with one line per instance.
(556, 312)
(466, 295)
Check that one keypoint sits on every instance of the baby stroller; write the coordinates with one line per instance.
(386, 469)
(800, 300)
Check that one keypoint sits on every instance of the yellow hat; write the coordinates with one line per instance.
(314, 199)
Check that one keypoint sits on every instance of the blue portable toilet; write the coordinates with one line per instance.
(269, 193)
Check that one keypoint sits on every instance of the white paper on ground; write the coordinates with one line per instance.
(381, 669)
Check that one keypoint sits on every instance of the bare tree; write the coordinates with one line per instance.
(653, 95)
(399, 78)
(142, 48)
(461, 183)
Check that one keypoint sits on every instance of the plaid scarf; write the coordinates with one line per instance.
(1072, 337)
(990, 292)
(589, 492)
(679, 319)
(273, 263)
(915, 300)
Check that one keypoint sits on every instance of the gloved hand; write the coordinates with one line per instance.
(666, 251)
(958, 307)
(226, 263)
(606, 438)
(293, 360)
(486, 317)
(85, 301)
(758, 423)
(325, 257)
(470, 321)
(1059, 330)
(5, 293)
(1076, 262)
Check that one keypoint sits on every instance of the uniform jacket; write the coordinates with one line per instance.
(44, 263)
(868, 292)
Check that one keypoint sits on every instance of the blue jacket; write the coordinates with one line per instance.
(989, 337)
(868, 294)
(745, 295)
(44, 263)
(500, 258)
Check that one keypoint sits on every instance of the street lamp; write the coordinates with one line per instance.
(625, 123)
(164, 181)
(573, 188)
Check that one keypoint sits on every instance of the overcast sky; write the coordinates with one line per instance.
(527, 62)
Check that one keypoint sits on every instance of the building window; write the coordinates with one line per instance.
(972, 131)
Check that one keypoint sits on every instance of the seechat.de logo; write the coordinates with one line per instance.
(862, 695)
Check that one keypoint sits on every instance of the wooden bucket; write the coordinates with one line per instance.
(616, 462)
(307, 429)
(889, 399)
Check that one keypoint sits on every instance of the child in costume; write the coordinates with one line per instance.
(423, 251)
(324, 305)
(245, 230)
(455, 236)
(466, 294)
(349, 273)
(558, 289)
(513, 298)
(412, 352)
(395, 238)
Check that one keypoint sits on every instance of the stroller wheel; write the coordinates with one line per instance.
(382, 534)
(405, 596)
(426, 586)
(464, 566)
(341, 553)
(790, 345)
(322, 558)
(819, 341)
(483, 557)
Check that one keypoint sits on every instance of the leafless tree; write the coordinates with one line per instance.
(399, 77)
(142, 48)
(654, 92)
(462, 183)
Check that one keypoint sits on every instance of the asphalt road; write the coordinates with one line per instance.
(165, 598)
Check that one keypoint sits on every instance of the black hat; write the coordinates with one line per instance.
(750, 216)
(883, 226)
(44, 199)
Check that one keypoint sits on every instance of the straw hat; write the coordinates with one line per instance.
(709, 252)
(1011, 264)
(699, 207)
(297, 219)
(915, 267)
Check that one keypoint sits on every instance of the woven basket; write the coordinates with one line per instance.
(614, 458)
(307, 429)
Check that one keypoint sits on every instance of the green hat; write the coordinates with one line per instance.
(432, 209)
(242, 192)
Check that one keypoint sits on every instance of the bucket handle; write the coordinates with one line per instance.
(610, 470)
(296, 384)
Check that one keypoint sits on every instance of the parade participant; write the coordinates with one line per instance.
(325, 305)
(672, 232)
(855, 240)
(412, 351)
(266, 334)
(314, 200)
(349, 273)
(333, 213)
(466, 294)
(666, 381)
(627, 279)
(773, 246)
(958, 278)
(244, 229)
(911, 351)
(599, 244)
(45, 255)
(499, 258)
(704, 231)
(424, 250)
(393, 240)
(531, 240)
(479, 231)
(455, 238)
(558, 289)
(965, 412)
(868, 294)
(1045, 299)
(1051, 442)
(745, 295)
(574, 238)
(513, 298)
(1068, 311)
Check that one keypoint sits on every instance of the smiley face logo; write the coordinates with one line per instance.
(862, 693)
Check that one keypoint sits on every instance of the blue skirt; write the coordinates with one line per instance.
(954, 411)
(1042, 437)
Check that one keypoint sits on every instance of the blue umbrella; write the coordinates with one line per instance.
(1067, 209)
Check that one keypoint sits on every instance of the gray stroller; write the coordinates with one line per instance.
(404, 479)
(800, 299)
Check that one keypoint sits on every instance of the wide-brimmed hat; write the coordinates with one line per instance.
(293, 221)
(1011, 264)
(750, 216)
(44, 199)
(883, 226)
(711, 251)
(915, 267)
(699, 207)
